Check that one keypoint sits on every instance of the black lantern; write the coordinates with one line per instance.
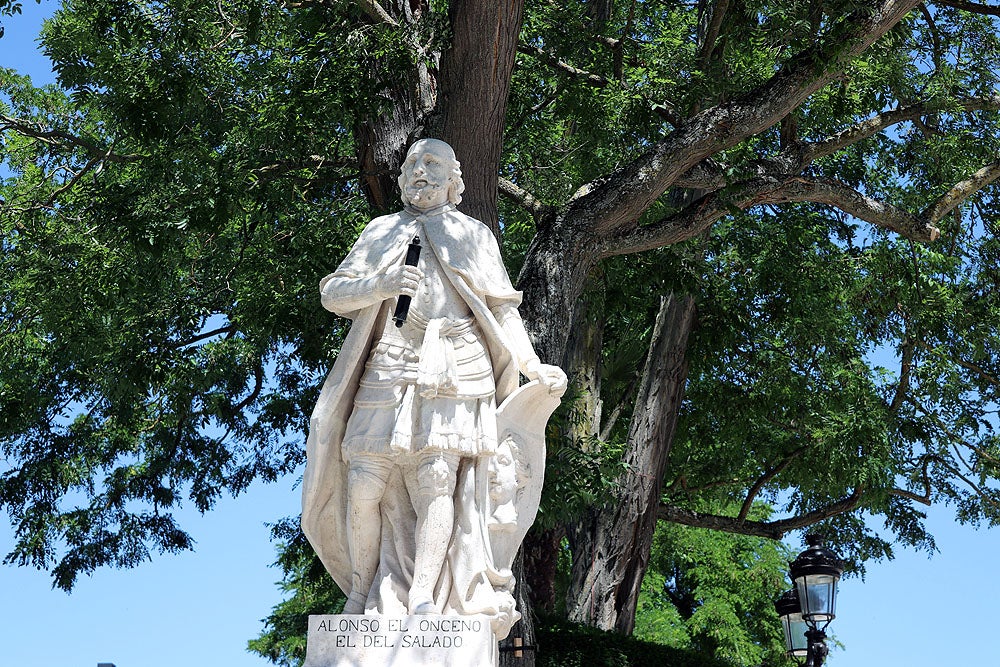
(815, 573)
(807, 609)
(792, 623)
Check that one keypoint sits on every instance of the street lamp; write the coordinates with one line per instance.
(790, 613)
(807, 609)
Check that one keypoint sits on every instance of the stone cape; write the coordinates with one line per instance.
(469, 255)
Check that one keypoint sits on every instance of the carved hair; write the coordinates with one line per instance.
(456, 186)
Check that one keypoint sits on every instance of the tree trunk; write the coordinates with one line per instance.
(472, 103)
(552, 278)
(470, 115)
(464, 104)
(541, 563)
(522, 635)
(583, 363)
(611, 545)
(382, 141)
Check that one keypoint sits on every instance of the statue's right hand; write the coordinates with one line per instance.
(400, 280)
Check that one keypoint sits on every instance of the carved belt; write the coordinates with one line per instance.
(437, 372)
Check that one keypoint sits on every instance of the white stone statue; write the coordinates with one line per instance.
(418, 489)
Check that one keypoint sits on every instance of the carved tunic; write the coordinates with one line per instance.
(427, 385)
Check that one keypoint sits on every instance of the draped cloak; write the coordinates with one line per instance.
(470, 582)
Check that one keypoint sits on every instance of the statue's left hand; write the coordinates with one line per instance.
(552, 377)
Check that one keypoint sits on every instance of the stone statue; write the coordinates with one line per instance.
(420, 485)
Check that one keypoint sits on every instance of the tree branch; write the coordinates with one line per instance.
(375, 11)
(935, 37)
(719, 9)
(229, 328)
(701, 214)
(961, 191)
(710, 175)
(967, 365)
(863, 207)
(281, 168)
(52, 137)
(909, 495)
(876, 124)
(774, 530)
(604, 205)
(905, 370)
(763, 480)
(370, 7)
(955, 438)
(93, 162)
(258, 385)
(974, 7)
(521, 197)
(611, 42)
(983, 494)
(706, 175)
(553, 61)
(925, 479)
(687, 223)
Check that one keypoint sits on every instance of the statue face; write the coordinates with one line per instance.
(503, 474)
(427, 178)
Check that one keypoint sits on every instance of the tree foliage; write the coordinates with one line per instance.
(713, 594)
(309, 590)
(789, 206)
(162, 234)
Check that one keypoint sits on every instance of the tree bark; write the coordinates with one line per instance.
(583, 362)
(472, 103)
(382, 142)
(541, 563)
(553, 277)
(611, 546)
(464, 104)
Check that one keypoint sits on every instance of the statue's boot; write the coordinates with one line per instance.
(355, 603)
(422, 604)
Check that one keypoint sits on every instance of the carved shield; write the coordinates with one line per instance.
(521, 421)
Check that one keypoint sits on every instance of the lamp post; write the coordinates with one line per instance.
(808, 608)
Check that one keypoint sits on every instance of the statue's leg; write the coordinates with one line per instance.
(433, 500)
(366, 482)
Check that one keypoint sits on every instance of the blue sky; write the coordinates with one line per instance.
(200, 608)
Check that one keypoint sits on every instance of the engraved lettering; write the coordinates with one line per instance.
(397, 625)
(378, 641)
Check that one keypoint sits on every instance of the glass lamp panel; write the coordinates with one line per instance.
(796, 644)
(817, 593)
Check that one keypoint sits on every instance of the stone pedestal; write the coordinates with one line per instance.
(353, 640)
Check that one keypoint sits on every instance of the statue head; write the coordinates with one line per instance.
(507, 474)
(430, 175)
(503, 466)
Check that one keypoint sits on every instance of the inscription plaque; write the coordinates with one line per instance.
(353, 640)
